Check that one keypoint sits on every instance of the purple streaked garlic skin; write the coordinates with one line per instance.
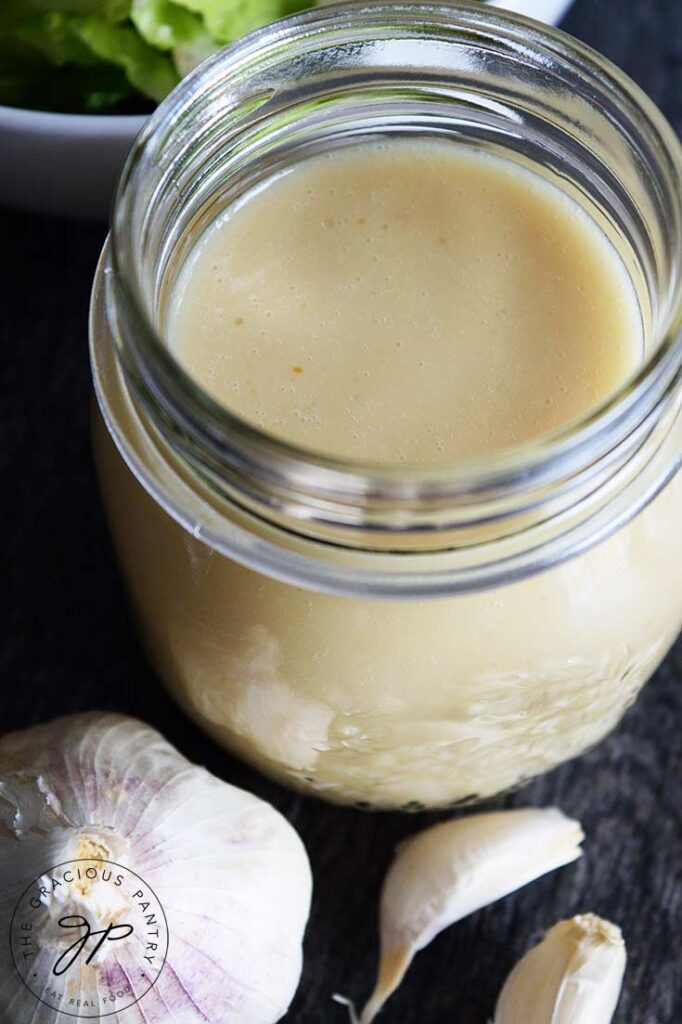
(229, 872)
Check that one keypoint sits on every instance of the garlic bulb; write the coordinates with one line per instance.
(139, 887)
(574, 976)
(447, 872)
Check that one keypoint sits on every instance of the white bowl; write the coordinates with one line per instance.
(551, 11)
(69, 163)
(63, 163)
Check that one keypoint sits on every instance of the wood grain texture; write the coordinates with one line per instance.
(69, 645)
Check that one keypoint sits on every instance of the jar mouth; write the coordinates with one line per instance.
(261, 470)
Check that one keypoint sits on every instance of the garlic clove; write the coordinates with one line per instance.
(228, 870)
(574, 976)
(450, 870)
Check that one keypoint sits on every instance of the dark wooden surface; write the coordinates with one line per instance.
(68, 645)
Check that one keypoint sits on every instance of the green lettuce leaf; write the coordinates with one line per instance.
(226, 20)
(28, 80)
(52, 37)
(150, 71)
(101, 54)
(165, 24)
(168, 26)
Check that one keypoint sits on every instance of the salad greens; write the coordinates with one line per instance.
(115, 56)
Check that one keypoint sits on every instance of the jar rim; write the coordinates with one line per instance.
(339, 485)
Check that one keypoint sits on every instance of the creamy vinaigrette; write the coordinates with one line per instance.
(410, 301)
(403, 301)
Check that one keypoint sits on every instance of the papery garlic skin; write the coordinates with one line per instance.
(574, 976)
(229, 871)
(453, 869)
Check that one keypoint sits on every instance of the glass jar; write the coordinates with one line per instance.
(412, 637)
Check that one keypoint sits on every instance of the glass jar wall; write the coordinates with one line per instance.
(400, 637)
